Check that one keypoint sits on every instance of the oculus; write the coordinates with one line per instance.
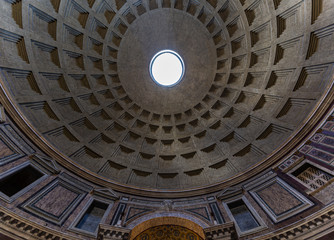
(167, 68)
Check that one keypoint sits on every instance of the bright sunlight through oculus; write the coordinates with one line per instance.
(167, 68)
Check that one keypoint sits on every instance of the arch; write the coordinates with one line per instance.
(167, 221)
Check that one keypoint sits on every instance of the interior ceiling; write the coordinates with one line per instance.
(78, 70)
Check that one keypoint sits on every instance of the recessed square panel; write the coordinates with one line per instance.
(56, 201)
(286, 203)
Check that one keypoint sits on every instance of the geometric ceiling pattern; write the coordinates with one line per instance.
(78, 70)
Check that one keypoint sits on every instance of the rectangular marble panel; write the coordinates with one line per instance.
(55, 201)
(279, 199)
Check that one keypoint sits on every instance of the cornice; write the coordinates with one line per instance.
(312, 227)
(112, 232)
(24, 228)
(226, 230)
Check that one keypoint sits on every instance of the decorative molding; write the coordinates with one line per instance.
(46, 162)
(291, 162)
(107, 232)
(316, 225)
(2, 114)
(23, 227)
(17, 139)
(222, 232)
(258, 180)
(105, 193)
(229, 192)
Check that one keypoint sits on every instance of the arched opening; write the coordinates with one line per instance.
(167, 228)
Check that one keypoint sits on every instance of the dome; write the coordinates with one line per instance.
(86, 89)
(256, 79)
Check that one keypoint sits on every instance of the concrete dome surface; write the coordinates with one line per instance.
(252, 112)
(82, 81)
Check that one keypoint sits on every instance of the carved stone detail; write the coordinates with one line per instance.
(107, 232)
(221, 232)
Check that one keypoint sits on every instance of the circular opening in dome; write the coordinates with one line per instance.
(167, 68)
